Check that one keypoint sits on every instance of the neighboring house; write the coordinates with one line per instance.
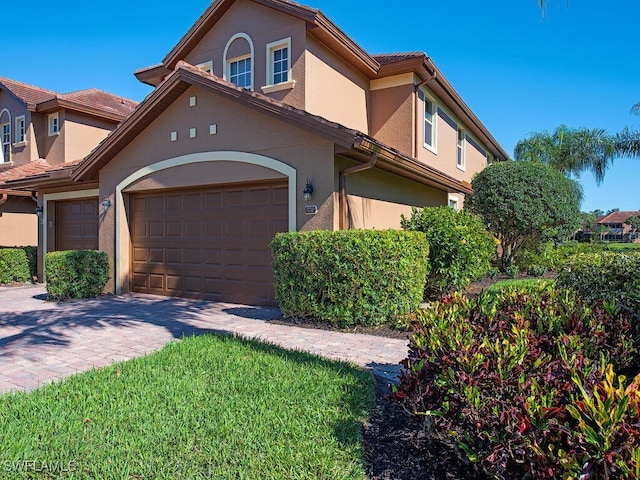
(265, 117)
(44, 132)
(617, 228)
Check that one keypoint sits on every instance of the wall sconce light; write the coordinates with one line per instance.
(39, 211)
(106, 204)
(308, 190)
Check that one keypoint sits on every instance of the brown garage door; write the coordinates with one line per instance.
(209, 243)
(77, 224)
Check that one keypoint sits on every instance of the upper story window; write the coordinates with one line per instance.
(240, 72)
(206, 66)
(461, 148)
(429, 124)
(20, 129)
(54, 124)
(238, 60)
(453, 202)
(278, 74)
(5, 136)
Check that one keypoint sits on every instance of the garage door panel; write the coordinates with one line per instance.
(76, 224)
(222, 249)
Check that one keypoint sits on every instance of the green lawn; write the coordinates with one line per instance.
(622, 247)
(205, 407)
(522, 283)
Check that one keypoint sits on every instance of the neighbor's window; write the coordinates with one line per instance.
(240, 71)
(54, 124)
(453, 203)
(461, 149)
(20, 129)
(206, 66)
(5, 132)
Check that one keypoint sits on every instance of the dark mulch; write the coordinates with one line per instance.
(381, 331)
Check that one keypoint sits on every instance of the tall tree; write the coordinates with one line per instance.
(569, 150)
(628, 140)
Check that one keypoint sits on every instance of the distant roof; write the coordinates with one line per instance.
(91, 101)
(618, 217)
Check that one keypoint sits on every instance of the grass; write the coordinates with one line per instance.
(622, 247)
(517, 283)
(204, 407)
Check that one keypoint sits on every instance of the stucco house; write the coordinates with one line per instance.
(42, 131)
(265, 117)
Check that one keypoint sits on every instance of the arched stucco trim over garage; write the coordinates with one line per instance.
(121, 262)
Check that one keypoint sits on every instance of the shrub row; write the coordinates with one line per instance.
(527, 385)
(549, 257)
(351, 277)
(613, 277)
(14, 265)
(76, 273)
(460, 248)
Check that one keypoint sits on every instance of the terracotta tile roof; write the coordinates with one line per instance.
(387, 58)
(101, 100)
(35, 167)
(27, 93)
(618, 217)
(91, 98)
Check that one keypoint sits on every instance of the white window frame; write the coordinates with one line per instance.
(461, 161)
(53, 123)
(227, 62)
(425, 97)
(206, 67)
(21, 130)
(237, 60)
(454, 202)
(5, 142)
(271, 49)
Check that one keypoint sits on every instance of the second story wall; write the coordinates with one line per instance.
(11, 110)
(450, 147)
(251, 30)
(335, 90)
(392, 112)
(82, 134)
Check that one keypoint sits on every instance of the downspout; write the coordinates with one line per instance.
(3, 199)
(342, 201)
(431, 77)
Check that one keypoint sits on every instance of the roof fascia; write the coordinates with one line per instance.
(152, 75)
(58, 103)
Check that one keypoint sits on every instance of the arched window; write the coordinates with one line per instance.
(5, 136)
(239, 61)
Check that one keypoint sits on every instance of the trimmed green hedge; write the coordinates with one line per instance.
(355, 277)
(14, 265)
(76, 273)
(609, 276)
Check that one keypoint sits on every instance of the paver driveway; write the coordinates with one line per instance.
(41, 341)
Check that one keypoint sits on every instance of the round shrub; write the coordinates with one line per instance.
(460, 249)
(76, 273)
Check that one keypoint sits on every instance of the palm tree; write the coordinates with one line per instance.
(570, 151)
(628, 140)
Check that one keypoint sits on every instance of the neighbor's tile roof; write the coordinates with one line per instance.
(618, 217)
(386, 58)
(27, 93)
(34, 167)
(91, 98)
(101, 100)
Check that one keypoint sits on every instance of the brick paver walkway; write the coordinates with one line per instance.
(41, 341)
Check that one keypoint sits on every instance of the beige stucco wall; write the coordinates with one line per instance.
(334, 89)
(18, 229)
(82, 134)
(392, 114)
(263, 25)
(18, 222)
(239, 129)
(377, 199)
(446, 151)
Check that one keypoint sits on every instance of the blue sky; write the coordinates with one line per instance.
(518, 70)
